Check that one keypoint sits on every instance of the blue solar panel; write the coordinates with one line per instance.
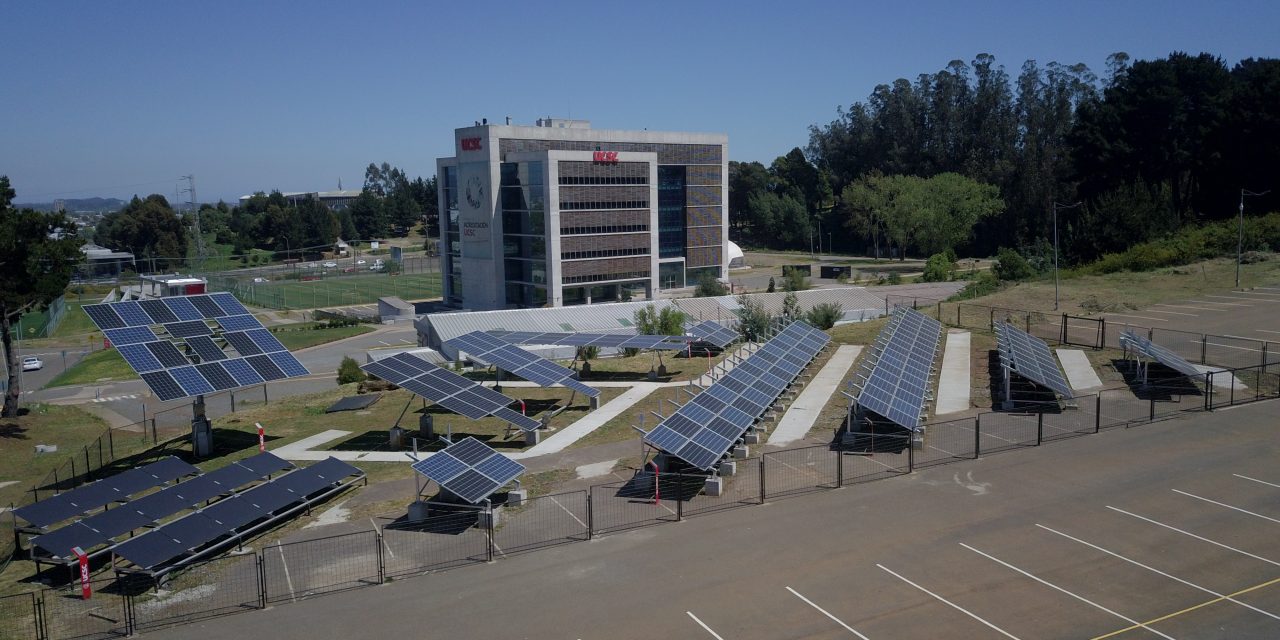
(191, 381)
(205, 348)
(239, 323)
(167, 354)
(450, 390)
(469, 469)
(1030, 358)
(440, 467)
(132, 314)
(228, 303)
(207, 307)
(265, 340)
(139, 357)
(188, 329)
(129, 335)
(217, 376)
(242, 371)
(163, 385)
(104, 316)
(182, 308)
(242, 343)
(158, 311)
(265, 367)
(288, 364)
(897, 375)
(486, 348)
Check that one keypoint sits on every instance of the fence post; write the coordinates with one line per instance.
(111, 442)
(1231, 399)
(155, 435)
(1204, 347)
(1063, 339)
(762, 476)
(591, 516)
(1264, 357)
(262, 580)
(382, 563)
(1097, 413)
(958, 305)
(911, 451)
(1151, 417)
(1039, 428)
(1102, 343)
(839, 468)
(489, 529)
(680, 499)
(130, 619)
(1208, 391)
(977, 435)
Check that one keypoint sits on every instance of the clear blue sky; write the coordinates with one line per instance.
(116, 98)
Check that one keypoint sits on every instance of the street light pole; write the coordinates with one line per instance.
(1056, 207)
(1240, 231)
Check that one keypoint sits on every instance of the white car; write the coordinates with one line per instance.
(361, 262)
(32, 363)
(259, 280)
(330, 265)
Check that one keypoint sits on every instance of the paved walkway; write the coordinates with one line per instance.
(953, 382)
(1080, 374)
(590, 422)
(802, 413)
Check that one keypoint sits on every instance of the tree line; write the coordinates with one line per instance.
(389, 205)
(971, 159)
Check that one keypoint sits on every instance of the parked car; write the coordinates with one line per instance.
(259, 280)
(32, 363)
(361, 261)
(330, 265)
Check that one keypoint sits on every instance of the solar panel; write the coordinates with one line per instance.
(469, 469)
(239, 323)
(1160, 354)
(129, 335)
(288, 364)
(163, 385)
(149, 550)
(207, 307)
(188, 329)
(167, 354)
(206, 348)
(191, 381)
(604, 340)
(233, 512)
(182, 308)
(118, 521)
(104, 316)
(193, 530)
(714, 333)
(265, 367)
(91, 496)
(228, 303)
(77, 534)
(265, 340)
(897, 373)
(447, 389)
(217, 376)
(517, 361)
(139, 357)
(242, 371)
(243, 345)
(132, 314)
(1029, 357)
(158, 311)
(703, 430)
(265, 463)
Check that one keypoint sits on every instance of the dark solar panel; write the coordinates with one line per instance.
(242, 343)
(1160, 354)
(163, 385)
(228, 303)
(288, 364)
(266, 463)
(193, 530)
(242, 371)
(487, 348)
(206, 348)
(104, 316)
(191, 381)
(231, 477)
(239, 323)
(131, 481)
(217, 376)
(1029, 357)
(129, 335)
(897, 376)
(265, 340)
(158, 311)
(167, 354)
(118, 521)
(301, 482)
(333, 469)
(170, 468)
(132, 314)
(271, 497)
(182, 308)
(354, 403)
(161, 504)
(207, 307)
(233, 512)
(77, 534)
(469, 469)
(149, 550)
(139, 357)
(450, 390)
(197, 490)
(188, 329)
(265, 367)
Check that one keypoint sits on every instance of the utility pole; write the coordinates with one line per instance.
(195, 211)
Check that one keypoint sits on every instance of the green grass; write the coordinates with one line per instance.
(75, 322)
(303, 336)
(68, 427)
(339, 290)
(100, 366)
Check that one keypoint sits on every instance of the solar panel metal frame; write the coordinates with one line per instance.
(1161, 354)
(445, 388)
(1030, 358)
(908, 345)
(604, 340)
(486, 348)
(469, 469)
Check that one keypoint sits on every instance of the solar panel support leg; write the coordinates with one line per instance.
(1039, 428)
(839, 468)
(763, 493)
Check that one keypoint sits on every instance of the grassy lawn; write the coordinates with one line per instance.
(68, 427)
(301, 336)
(340, 290)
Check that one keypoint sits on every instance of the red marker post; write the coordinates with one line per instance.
(262, 437)
(85, 589)
(657, 487)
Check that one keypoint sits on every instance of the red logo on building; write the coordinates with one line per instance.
(604, 156)
(471, 144)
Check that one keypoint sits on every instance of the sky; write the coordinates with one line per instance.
(123, 98)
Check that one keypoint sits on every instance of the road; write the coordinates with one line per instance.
(1166, 529)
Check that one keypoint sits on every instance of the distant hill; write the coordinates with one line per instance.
(73, 205)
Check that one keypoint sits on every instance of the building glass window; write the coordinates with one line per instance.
(671, 275)
(671, 216)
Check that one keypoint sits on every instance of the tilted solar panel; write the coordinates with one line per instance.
(446, 388)
(1158, 353)
(182, 308)
(1030, 357)
(469, 469)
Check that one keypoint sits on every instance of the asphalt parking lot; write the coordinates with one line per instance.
(1244, 314)
(1167, 529)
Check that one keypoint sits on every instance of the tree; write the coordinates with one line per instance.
(794, 280)
(939, 268)
(147, 228)
(1010, 265)
(772, 286)
(349, 371)
(791, 307)
(709, 286)
(753, 318)
(38, 254)
(368, 217)
(824, 315)
(650, 321)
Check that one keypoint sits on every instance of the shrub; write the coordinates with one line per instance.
(794, 280)
(1010, 265)
(709, 286)
(824, 315)
(939, 268)
(985, 283)
(349, 371)
(895, 278)
(772, 286)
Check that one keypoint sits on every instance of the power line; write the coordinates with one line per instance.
(118, 186)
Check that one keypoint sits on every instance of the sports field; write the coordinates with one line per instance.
(338, 291)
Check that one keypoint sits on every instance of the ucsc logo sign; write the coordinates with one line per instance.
(471, 144)
(605, 156)
(474, 229)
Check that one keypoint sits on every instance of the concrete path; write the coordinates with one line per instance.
(590, 422)
(802, 413)
(954, 381)
(1080, 373)
(1221, 380)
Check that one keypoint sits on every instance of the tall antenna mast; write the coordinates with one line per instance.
(195, 211)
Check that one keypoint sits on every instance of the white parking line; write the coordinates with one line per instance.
(1176, 313)
(824, 612)
(1229, 304)
(1183, 306)
(1267, 331)
(1223, 504)
(384, 540)
(1125, 315)
(1197, 537)
(571, 515)
(1056, 587)
(287, 579)
(951, 604)
(704, 626)
(1208, 295)
(1155, 570)
(1269, 484)
(1257, 293)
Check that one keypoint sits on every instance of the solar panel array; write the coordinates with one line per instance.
(896, 374)
(603, 340)
(714, 333)
(1029, 357)
(703, 430)
(70, 504)
(469, 469)
(131, 327)
(486, 348)
(1158, 353)
(448, 389)
(188, 533)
